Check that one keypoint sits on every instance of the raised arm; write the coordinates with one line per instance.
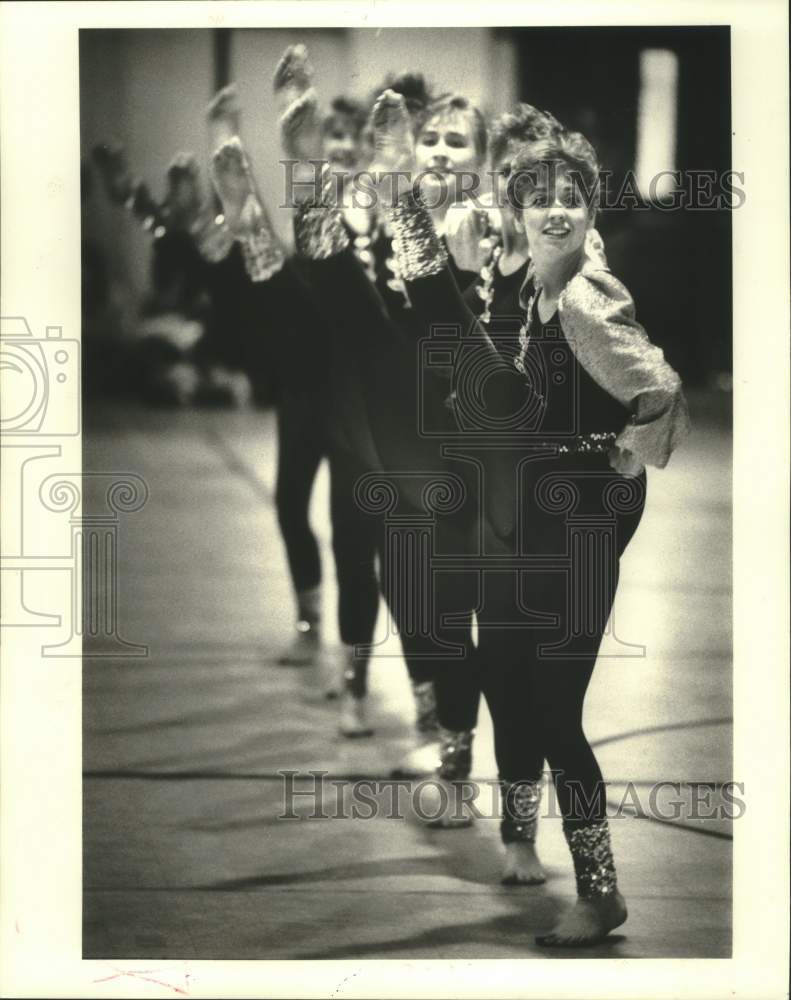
(321, 237)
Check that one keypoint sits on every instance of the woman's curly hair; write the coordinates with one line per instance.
(558, 149)
(344, 108)
(522, 125)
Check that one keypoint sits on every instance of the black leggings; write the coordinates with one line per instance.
(535, 677)
(364, 542)
(358, 544)
(301, 445)
(444, 652)
(389, 382)
(354, 548)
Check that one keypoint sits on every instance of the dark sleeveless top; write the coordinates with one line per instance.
(568, 401)
(560, 400)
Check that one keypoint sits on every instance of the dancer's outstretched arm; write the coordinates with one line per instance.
(223, 116)
(421, 254)
(125, 190)
(337, 277)
(279, 297)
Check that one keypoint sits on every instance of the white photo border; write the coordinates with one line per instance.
(40, 753)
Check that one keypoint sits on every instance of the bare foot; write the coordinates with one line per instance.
(394, 148)
(303, 650)
(444, 806)
(223, 114)
(110, 160)
(421, 761)
(144, 208)
(293, 76)
(233, 180)
(184, 194)
(522, 866)
(354, 722)
(587, 922)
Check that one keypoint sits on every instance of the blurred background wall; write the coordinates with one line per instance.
(646, 97)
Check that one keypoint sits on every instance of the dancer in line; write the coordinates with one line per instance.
(320, 414)
(596, 402)
(357, 537)
(452, 139)
(308, 138)
(191, 347)
(272, 335)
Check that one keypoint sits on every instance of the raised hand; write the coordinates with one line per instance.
(300, 121)
(235, 186)
(300, 128)
(394, 147)
(293, 76)
(144, 208)
(184, 199)
(110, 159)
(222, 115)
(625, 462)
(466, 230)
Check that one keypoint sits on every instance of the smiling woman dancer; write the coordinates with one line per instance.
(586, 439)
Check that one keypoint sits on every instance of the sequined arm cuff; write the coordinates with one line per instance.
(212, 238)
(419, 250)
(319, 232)
(597, 317)
(262, 253)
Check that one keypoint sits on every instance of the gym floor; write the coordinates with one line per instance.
(185, 856)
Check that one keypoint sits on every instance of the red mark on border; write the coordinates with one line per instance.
(145, 975)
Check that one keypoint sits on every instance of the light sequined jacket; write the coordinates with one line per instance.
(597, 316)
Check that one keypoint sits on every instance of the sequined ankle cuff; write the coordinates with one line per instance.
(594, 866)
(263, 255)
(455, 754)
(425, 706)
(419, 251)
(521, 803)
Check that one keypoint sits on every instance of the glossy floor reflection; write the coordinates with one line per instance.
(185, 856)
